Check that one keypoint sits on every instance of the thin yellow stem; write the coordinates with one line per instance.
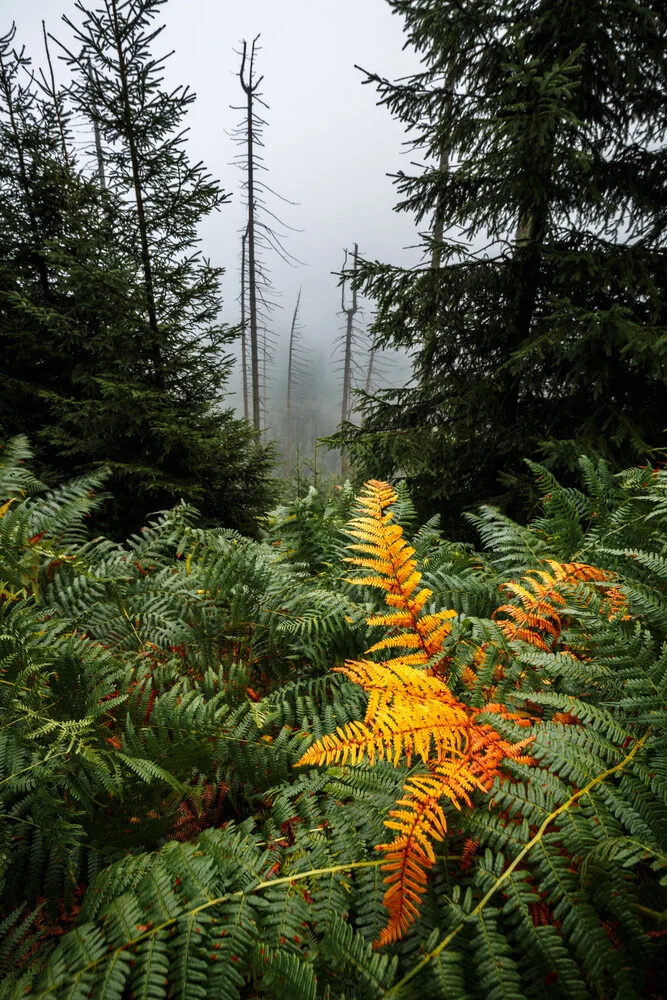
(395, 990)
(31, 767)
(216, 901)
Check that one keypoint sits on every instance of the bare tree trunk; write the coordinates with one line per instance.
(249, 89)
(347, 364)
(139, 199)
(298, 462)
(99, 153)
(244, 359)
(290, 386)
(369, 370)
(100, 157)
(54, 96)
(439, 213)
(265, 404)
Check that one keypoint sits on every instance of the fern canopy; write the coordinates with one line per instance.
(480, 802)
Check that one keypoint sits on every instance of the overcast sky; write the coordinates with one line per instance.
(327, 146)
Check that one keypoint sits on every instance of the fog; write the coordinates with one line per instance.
(328, 147)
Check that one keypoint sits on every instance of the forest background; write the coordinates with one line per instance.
(327, 149)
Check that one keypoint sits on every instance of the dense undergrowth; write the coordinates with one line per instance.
(158, 839)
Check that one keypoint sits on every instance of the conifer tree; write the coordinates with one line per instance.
(66, 305)
(119, 342)
(538, 317)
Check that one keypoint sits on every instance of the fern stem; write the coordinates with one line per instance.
(132, 626)
(269, 883)
(659, 916)
(31, 767)
(19, 687)
(397, 987)
(596, 542)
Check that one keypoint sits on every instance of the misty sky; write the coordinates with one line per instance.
(327, 146)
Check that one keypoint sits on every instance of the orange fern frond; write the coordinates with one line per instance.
(615, 604)
(409, 714)
(410, 855)
(383, 550)
(411, 711)
(566, 719)
(5, 506)
(487, 750)
(536, 617)
(469, 850)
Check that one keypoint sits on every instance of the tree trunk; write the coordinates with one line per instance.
(439, 213)
(369, 371)
(290, 385)
(54, 96)
(249, 89)
(100, 157)
(244, 359)
(264, 424)
(347, 364)
(430, 341)
(139, 199)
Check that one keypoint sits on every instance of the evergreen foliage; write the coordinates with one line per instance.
(156, 838)
(112, 349)
(537, 320)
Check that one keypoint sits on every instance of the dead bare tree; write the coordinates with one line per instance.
(350, 313)
(297, 371)
(52, 91)
(244, 356)
(260, 235)
(379, 368)
(369, 370)
(264, 397)
(250, 87)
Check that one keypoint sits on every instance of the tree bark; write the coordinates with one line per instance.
(249, 89)
(54, 95)
(369, 371)
(347, 364)
(244, 359)
(156, 351)
(290, 382)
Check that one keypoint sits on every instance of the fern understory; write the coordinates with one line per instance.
(354, 760)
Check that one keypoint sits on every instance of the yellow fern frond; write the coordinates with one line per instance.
(536, 618)
(409, 856)
(418, 659)
(382, 544)
(406, 640)
(411, 711)
(396, 619)
(409, 714)
(378, 565)
(371, 581)
(352, 743)
(398, 679)
(426, 633)
(5, 506)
